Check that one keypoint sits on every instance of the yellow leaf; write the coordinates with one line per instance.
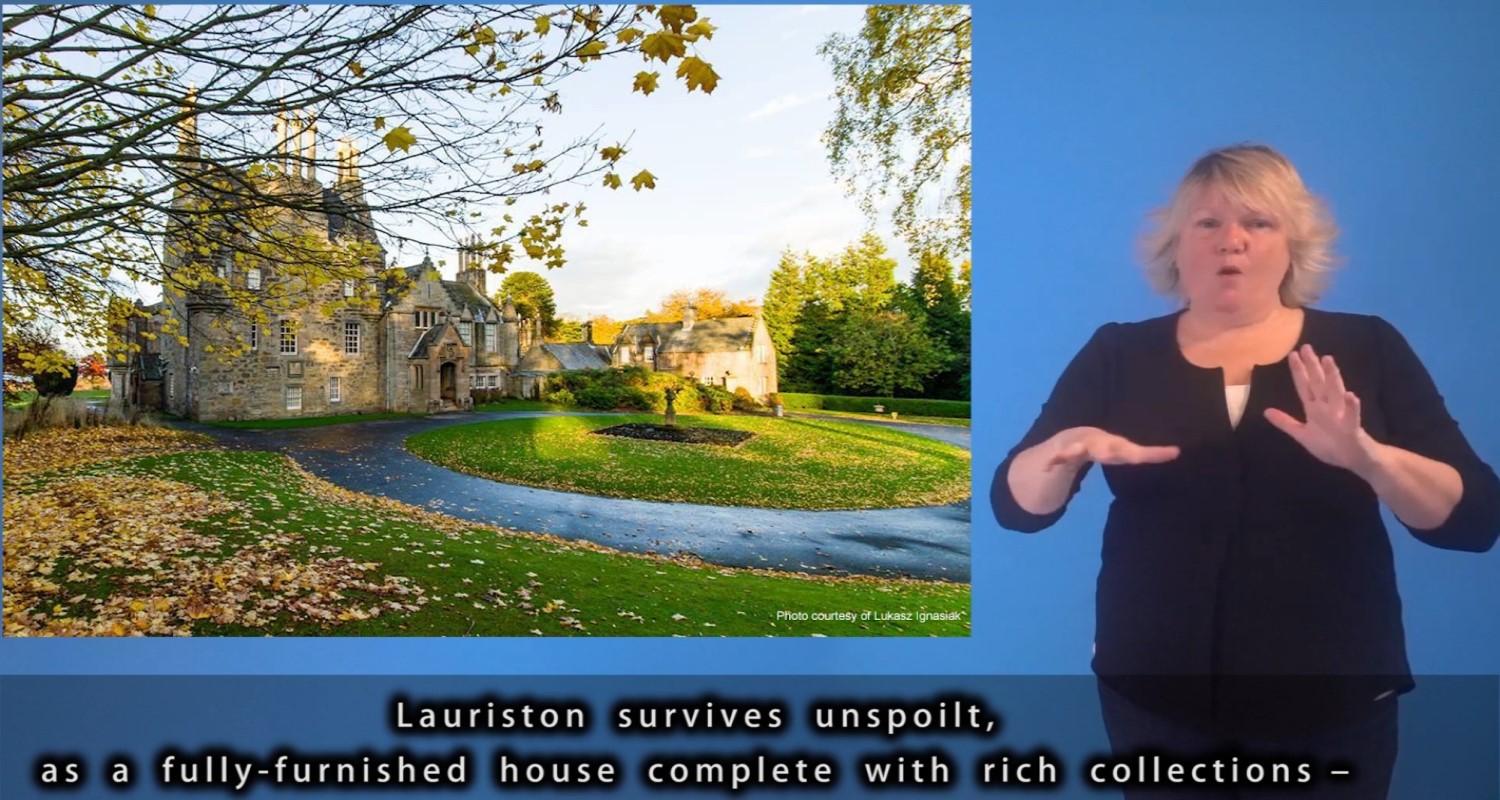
(643, 179)
(484, 35)
(674, 17)
(612, 180)
(629, 35)
(645, 82)
(664, 45)
(150, 11)
(591, 50)
(379, 123)
(400, 139)
(701, 28)
(699, 74)
(354, 67)
(471, 49)
(543, 24)
(611, 154)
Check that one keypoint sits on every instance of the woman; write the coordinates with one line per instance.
(1247, 590)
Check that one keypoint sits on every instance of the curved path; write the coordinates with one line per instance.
(370, 457)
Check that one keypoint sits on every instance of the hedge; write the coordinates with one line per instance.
(913, 406)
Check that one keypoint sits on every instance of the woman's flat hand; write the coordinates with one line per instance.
(1076, 446)
(1332, 433)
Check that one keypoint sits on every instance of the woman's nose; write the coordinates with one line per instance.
(1232, 238)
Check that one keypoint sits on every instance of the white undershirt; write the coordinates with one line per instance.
(1236, 396)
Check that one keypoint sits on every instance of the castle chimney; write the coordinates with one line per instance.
(187, 130)
(588, 331)
(470, 268)
(312, 149)
(689, 316)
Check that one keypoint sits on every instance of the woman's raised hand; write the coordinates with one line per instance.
(1332, 433)
(1076, 446)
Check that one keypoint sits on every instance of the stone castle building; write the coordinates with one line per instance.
(377, 338)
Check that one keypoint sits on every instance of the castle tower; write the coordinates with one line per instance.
(470, 265)
(187, 130)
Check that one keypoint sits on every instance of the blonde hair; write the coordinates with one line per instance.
(1257, 177)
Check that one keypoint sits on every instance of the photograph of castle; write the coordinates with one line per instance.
(470, 320)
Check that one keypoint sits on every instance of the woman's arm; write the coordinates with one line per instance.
(1041, 477)
(1428, 475)
(1421, 492)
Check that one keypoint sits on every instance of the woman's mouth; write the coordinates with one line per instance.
(1230, 270)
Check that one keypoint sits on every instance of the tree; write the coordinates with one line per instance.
(567, 331)
(938, 302)
(809, 366)
(880, 352)
(707, 304)
(903, 119)
(862, 274)
(783, 302)
(30, 349)
(121, 122)
(93, 367)
(605, 329)
(532, 295)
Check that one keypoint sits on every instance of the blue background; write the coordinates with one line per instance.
(1091, 113)
(1086, 114)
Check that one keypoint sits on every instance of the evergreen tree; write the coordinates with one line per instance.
(946, 320)
(809, 367)
(783, 302)
(880, 352)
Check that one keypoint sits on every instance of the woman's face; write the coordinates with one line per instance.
(1230, 258)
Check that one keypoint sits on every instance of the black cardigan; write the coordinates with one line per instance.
(1246, 561)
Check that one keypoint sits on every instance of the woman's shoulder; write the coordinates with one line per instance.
(1345, 327)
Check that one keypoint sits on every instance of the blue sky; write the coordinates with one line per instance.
(741, 174)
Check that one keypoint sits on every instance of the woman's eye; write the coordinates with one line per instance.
(1261, 224)
(1208, 223)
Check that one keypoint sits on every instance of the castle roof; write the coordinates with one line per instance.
(578, 355)
(707, 336)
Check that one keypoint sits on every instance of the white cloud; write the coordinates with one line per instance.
(759, 152)
(779, 105)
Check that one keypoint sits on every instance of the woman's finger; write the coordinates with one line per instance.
(1315, 377)
(1336, 388)
(1354, 414)
(1300, 379)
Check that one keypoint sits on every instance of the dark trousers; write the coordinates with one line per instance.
(1369, 746)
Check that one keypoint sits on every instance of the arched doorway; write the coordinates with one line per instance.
(448, 382)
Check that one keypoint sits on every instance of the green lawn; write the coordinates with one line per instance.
(952, 422)
(214, 542)
(520, 405)
(26, 398)
(310, 422)
(790, 463)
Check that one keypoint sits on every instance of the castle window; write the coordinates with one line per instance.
(489, 338)
(494, 381)
(351, 338)
(221, 266)
(348, 287)
(466, 333)
(288, 338)
(624, 354)
(762, 354)
(648, 354)
(255, 336)
(252, 279)
(294, 398)
(426, 318)
(416, 375)
(335, 390)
